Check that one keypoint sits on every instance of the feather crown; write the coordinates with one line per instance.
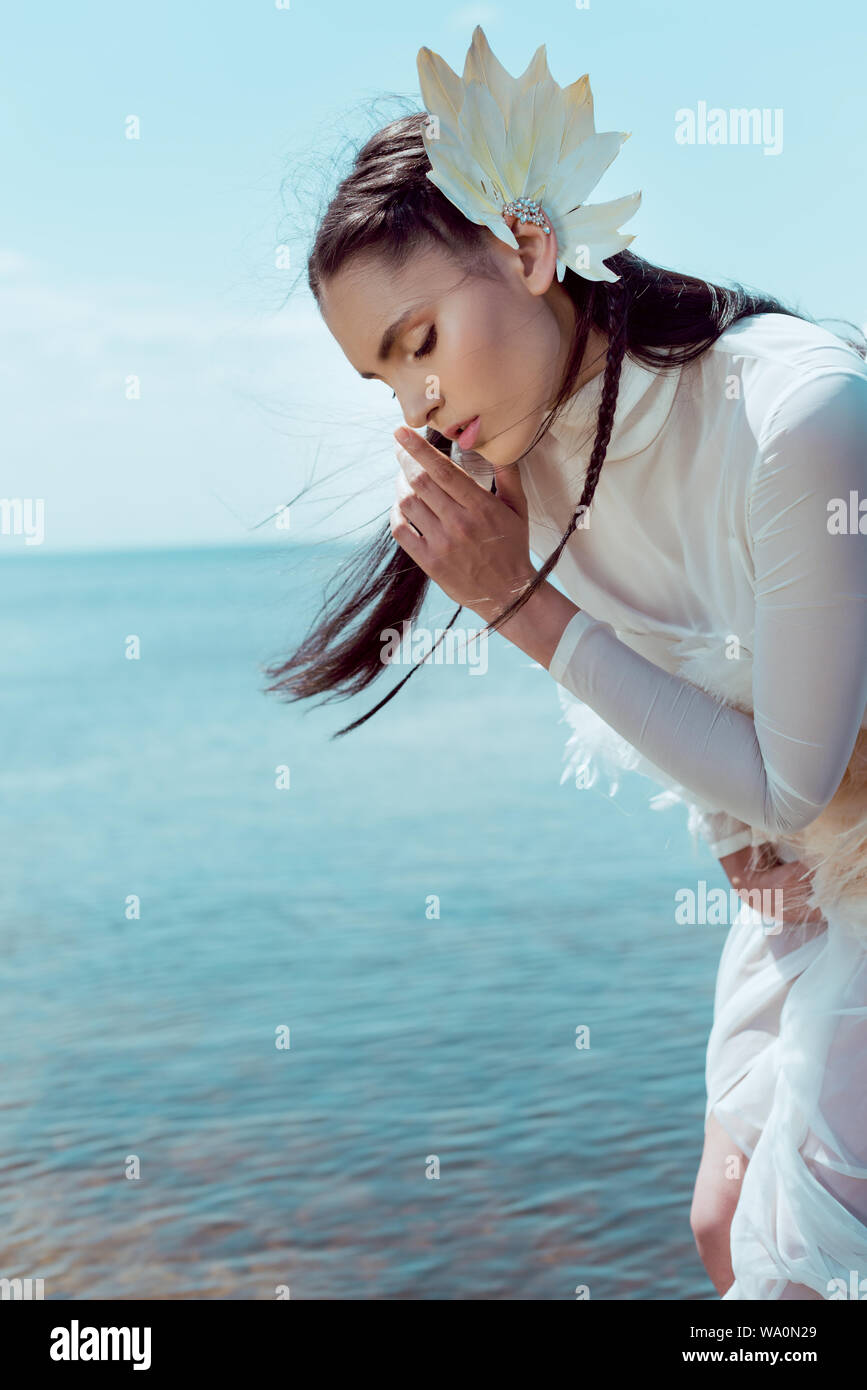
(500, 143)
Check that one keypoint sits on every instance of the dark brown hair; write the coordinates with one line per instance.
(387, 206)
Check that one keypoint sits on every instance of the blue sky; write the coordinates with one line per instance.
(155, 257)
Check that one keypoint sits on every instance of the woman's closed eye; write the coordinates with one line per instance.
(429, 343)
(427, 346)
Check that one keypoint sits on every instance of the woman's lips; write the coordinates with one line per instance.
(468, 436)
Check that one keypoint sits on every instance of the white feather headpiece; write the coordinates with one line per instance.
(493, 139)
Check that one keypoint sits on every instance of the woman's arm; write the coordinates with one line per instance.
(779, 769)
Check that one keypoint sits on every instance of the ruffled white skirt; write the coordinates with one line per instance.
(786, 1079)
(786, 1066)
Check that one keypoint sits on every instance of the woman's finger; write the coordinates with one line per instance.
(415, 453)
(416, 510)
(764, 857)
(421, 484)
(793, 882)
(406, 535)
(426, 522)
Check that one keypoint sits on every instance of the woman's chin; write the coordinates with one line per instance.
(509, 447)
(504, 447)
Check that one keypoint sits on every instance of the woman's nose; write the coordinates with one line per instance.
(419, 408)
(418, 414)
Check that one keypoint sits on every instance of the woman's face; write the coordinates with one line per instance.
(464, 345)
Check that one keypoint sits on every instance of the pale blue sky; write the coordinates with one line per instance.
(156, 257)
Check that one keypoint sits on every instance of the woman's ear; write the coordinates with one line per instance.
(537, 251)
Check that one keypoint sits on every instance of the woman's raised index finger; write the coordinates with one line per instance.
(445, 473)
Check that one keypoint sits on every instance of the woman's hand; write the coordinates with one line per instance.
(759, 867)
(474, 545)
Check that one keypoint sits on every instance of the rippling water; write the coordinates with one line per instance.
(413, 1039)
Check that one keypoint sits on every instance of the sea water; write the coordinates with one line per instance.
(391, 1015)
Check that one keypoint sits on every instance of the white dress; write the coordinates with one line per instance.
(721, 649)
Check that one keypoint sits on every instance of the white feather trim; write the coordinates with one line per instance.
(834, 845)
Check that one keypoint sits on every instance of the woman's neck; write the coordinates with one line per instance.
(595, 356)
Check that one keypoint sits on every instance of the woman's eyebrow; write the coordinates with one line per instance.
(388, 337)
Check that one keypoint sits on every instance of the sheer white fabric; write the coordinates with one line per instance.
(785, 1078)
(710, 524)
(778, 768)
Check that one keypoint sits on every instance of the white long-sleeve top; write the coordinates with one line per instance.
(720, 509)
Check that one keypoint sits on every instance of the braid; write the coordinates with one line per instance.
(610, 389)
(616, 329)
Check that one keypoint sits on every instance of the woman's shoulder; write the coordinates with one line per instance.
(765, 360)
(786, 343)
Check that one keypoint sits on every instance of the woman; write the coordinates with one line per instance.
(713, 628)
